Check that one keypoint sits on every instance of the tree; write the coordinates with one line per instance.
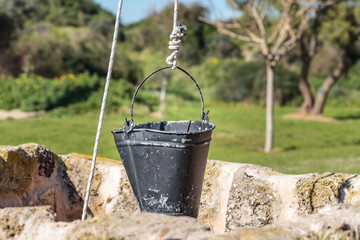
(13, 15)
(30, 41)
(336, 26)
(273, 27)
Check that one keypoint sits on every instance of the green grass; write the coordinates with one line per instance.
(301, 146)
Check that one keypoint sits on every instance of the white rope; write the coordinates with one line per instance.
(175, 38)
(106, 90)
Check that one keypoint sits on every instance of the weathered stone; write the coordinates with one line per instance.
(245, 195)
(234, 195)
(228, 188)
(137, 225)
(17, 168)
(32, 175)
(18, 221)
(38, 223)
(319, 190)
(124, 201)
(332, 222)
(252, 201)
(212, 197)
(111, 190)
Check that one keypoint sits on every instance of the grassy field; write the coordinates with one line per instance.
(301, 146)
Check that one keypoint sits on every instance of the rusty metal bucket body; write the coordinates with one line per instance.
(165, 161)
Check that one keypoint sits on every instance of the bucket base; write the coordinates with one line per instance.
(193, 214)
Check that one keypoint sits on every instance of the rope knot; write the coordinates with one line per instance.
(175, 42)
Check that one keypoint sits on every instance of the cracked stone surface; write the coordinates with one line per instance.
(332, 222)
(319, 190)
(252, 202)
(32, 175)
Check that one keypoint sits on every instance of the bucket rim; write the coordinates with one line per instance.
(135, 129)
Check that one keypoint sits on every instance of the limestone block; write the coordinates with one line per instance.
(20, 221)
(244, 195)
(32, 175)
(253, 202)
(331, 222)
(110, 192)
(318, 190)
(234, 195)
(38, 223)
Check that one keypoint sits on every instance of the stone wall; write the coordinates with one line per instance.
(333, 222)
(32, 175)
(234, 198)
(234, 195)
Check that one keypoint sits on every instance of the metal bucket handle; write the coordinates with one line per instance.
(129, 125)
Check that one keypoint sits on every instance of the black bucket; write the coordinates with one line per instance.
(165, 161)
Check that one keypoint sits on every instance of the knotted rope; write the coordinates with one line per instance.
(175, 38)
(106, 90)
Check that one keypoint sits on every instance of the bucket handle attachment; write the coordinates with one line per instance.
(129, 125)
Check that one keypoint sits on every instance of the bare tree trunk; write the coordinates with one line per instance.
(269, 137)
(307, 54)
(305, 89)
(308, 49)
(27, 66)
(329, 82)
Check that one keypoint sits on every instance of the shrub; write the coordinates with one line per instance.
(51, 51)
(33, 93)
(68, 93)
(351, 80)
(120, 93)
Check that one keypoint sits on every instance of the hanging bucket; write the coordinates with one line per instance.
(165, 161)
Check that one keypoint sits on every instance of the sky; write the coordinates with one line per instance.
(135, 10)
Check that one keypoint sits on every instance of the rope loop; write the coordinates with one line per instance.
(175, 42)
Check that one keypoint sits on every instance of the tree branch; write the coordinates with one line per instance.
(263, 10)
(281, 24)
(223, 28)
(293, 20)
(253, 11)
